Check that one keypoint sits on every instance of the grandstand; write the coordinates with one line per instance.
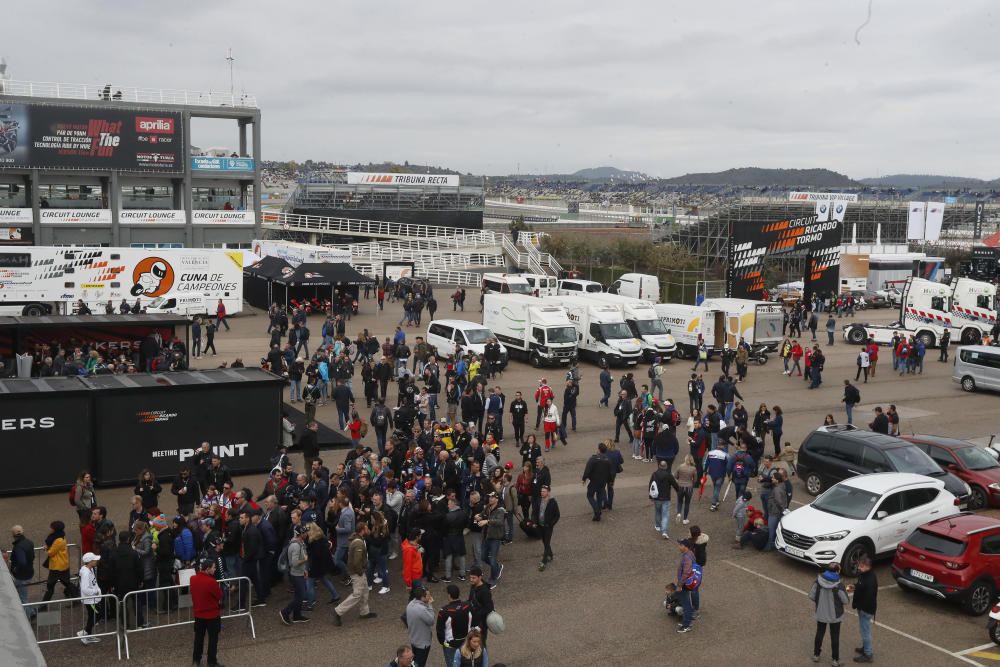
(449, 200)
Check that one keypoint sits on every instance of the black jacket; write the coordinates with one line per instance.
(149, 493)
(22, 558)
(217, 477)
(481, 600)
(664, 481)
(186, 502)
(454, 619)
(310, 447)
(252, 543)
(126, 570)
(866, 592)
(518, 411)
(598, 471)
(551, 513)
(880, 424)
(542, 478)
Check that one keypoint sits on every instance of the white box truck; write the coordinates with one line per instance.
(602, 334)
(638, 286)
(687, 323)
(757, 322)
(52, 280)
(538, 332)
(300, 253)
(641, 318)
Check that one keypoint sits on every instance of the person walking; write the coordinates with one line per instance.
(851, 398)
(863, 362)
(493, 521)
(57, 556)
(220, 316)
(687, 478)
(298, 562)
(865, 601)
(454, 621)
(688, 579)
(660, 483)
(206, 600)
(701, 355)
(90, 592)
(945, 342)
(196, 341)
(481, 601)
(420, 624)
(831, 329)
(623, 408)
(22, 565)
(605, 380)
(830, 596)
(210, 330)
(546, 516)
(357, 566)
(596, 476)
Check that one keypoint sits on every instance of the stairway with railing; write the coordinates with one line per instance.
(530, 241)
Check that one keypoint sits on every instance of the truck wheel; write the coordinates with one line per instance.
(857, 335)
(968, 384)
(535, 359)
(927, 338)
(971, 337)
(34, 310)
(602, 360)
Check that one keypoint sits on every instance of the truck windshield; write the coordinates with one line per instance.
(519, 288)
(562, 335)
(615, 331)
(650, 327)
(478, 336)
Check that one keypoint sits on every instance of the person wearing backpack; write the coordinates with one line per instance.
(740, 467)
(851, 398)
(688, 580)
(654, 373)
(22, 565)
(81, 495)
(830, 596)
(660, 483)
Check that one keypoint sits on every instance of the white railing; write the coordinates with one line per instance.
(356, 227)
(530, 241)
(520, 258)
(453, 259)
(469, 243)
(108, 92)
(437, 276)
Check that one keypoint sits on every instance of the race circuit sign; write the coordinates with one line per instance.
(822, 196)
(423, 180)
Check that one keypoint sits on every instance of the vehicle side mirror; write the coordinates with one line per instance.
(881, 514)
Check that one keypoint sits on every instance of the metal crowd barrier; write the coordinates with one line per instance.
(42, 574)
(61, 620)
(179, 611)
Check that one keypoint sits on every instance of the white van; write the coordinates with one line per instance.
(977, 367)
(505, 283)
(541, 285)
(444, 335)
(602, 333)
(576, 287)
(638, 286)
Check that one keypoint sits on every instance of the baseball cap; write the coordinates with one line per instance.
(89, 558)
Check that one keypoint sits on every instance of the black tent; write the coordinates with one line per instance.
(257, 279)
(317, 281)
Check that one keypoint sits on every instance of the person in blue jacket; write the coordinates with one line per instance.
(716, 465)
(183, 541)
(739, 469)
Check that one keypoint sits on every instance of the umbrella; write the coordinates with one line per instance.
(701, 485)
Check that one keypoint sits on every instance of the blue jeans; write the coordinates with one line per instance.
(716, 487)
(661, 515)
(378, 564)
(343, 416)
(849, 409)
(772, 529)
(295, 387)
(685, 600)
(380, 438)
(294, 608)
(311, 589)
(739, 485)
(22, 592)
(492, 556)
(338, 559)
(509, 533)
(449, 656)
(607, 395)
(728, 411)
(432, 403)
(865, 621)
(597, 497)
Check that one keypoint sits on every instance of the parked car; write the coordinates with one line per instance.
(955, 558)
(970, 463)
(834, 453)
(872, 299)
(867, 515)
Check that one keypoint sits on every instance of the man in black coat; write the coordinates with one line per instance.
(866, 602)
(596, 476)
(251, 553)
(545, 517)
(310, 445)
(881, 423)
(126, 571)
(187, 489)
(542, 478)
(481, 600)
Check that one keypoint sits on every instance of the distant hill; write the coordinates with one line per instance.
(756, 176)
(605, 173)
(926, 181)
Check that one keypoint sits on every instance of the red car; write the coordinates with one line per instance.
(954, 558)
(970, 463)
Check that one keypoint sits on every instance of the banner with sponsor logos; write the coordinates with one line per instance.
(17, 236)
(915, 220)
(63, 137)
(13, 216)
(151, 216)
(822, 196)
(209, 163)
(70, 216)
(223, 217)
(977, 230)
(423, 180)
(935, 220)
(160, 428)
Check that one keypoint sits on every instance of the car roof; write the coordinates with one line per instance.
(879, 440)
(883, 482)
(460, 324)
(950, 443)
(961, 525)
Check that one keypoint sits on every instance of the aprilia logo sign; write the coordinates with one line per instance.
(151, 125)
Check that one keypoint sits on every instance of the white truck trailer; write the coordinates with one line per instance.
(532, 330)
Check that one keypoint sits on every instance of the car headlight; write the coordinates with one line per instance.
(995, 486)
(833, 537)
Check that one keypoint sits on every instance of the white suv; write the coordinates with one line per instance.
(868, 515)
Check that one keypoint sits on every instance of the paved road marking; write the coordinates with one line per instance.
(981, 647)
(957, 656)
(985, 654)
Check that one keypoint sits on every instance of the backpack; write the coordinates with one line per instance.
(283, 561)
(654, 490)
(694, 579)
(380, 419)
(651, 373)
(740, 466)
(675, 418)
(72, 496)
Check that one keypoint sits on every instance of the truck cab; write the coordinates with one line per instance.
(602, 333)
(538, 332)
(973, 301)
(638, 286)
(928, 308)
(505, 283)
(644, 323)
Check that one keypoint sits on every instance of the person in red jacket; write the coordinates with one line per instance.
(413, 561)
(543, 395)
(206, 599)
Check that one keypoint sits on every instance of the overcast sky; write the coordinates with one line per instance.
(662, 87)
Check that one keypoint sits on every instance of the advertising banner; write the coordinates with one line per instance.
(915, 223)
(17, 236)
(151, 216)
(751, 243)
(161, 429)
(209, 163)
(222, 217)
(396, 270)
(822, 196)
(69, 216)
(822, 271)
(838, 210)
(16, 216)
(425, 180)
(977, 230)
(823, 210)
(935, 219)
(46, 435)
(58, 137)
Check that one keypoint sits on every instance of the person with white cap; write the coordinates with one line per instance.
(90, 592)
